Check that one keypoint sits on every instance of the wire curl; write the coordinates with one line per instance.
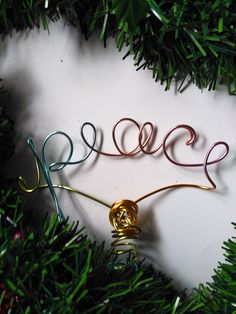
(123, 213)
(43, 166)
(123, 217)
(146, 137)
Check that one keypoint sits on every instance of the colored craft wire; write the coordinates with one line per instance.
(42, 166)
(146, 137)
(123, 217)
(123, 213)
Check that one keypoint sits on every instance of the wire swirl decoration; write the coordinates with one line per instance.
(123, 217)
(123, 213)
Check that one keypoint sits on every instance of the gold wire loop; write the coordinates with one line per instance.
(23, 184)
(123, 217)
(123, 214)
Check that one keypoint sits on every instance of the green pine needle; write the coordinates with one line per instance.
(173, 39)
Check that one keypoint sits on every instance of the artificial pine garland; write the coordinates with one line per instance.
(55, 268)
(6, 137)
(190, 41)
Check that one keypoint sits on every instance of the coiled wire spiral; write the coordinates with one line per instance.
(123, 217)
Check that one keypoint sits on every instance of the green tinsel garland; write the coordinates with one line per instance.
(56, 269)
(191, 41)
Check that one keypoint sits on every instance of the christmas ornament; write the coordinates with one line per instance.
(18, 235)
(123, 213)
